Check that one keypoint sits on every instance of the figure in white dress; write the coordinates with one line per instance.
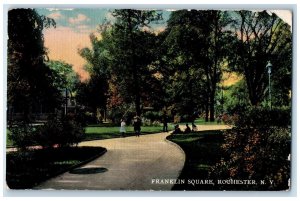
(122, 128)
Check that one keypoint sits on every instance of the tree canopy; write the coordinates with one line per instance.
(30, 81)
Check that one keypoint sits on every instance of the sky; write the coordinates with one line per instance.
(73, 27)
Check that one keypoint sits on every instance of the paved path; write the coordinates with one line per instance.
(129, 164)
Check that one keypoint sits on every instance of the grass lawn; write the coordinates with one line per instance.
(99, 133)
(107, 131)
(201, 121)
(96, 132)
(202, 151)
(27, 169)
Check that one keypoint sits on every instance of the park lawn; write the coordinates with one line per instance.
(201, 121)
(26, 169)
(99, 133)
(95, 132)
(203, 150)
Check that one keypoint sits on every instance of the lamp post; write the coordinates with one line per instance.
(66, 101)
(269, 68)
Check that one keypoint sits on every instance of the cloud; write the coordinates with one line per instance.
(171, 10)
(55, 9)
(84, 29)
(79, 19)
(56, 15)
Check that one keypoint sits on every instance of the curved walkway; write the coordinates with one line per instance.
(147, 162)
(131, 163)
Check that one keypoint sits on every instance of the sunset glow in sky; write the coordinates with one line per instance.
(73, 27)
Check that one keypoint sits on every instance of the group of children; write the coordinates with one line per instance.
(188, 129)
(136, 125)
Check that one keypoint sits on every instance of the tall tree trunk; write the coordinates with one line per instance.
(215, 67)
(138, 105)
(137, 100)
(207, 108)
(212, 108)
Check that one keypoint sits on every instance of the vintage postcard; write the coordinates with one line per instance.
(149, 99)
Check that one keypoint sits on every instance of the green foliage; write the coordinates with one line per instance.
(65, 77)
(257, 148)
(48, 134)
(262, 118)
(29, 80)
(22, 135)
(132, 52)
(182, 66)
(153, 116)
(56, 131)
(61, 132)
(93, 94)
(195, 47)
(72, 133)
(236, 97)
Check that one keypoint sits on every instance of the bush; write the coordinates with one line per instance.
(257, 148)
(22, 135)
(72, 133)
(61, 132)
(152, 116)
(260, 117)
(48, 134)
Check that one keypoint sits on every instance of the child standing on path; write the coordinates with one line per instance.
(122, 128)
(137, 126)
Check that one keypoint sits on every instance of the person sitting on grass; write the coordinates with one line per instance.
(187, 129)
(177, 130)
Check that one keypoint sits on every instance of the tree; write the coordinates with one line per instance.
(263, 37)
(197, 43)
(65, 76)
(94, 92)
(65, 80)
(30, 81)
(182, 77)
(132, 52)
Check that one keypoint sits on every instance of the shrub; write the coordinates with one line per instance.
(260, 117)
(62, 132)
(72, 133)
(152, 116)
(48, 134)
(257, 148)
(22, 135)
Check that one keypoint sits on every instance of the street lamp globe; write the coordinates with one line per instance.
(269, 67)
